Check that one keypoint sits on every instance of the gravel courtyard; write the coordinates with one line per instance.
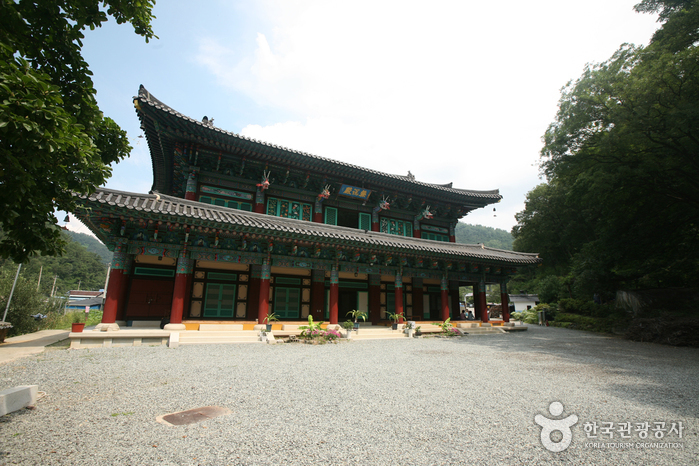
(468, 400)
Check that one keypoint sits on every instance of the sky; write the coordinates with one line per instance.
(452, 91)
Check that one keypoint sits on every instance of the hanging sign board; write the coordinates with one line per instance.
(355, 192)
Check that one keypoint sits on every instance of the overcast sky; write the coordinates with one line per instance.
(452, 91)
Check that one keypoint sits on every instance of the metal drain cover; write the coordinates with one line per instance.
(192, 416)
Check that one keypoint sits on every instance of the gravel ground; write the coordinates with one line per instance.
(468, 400)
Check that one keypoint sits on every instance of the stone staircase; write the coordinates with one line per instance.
(189, 337)
(376, 332)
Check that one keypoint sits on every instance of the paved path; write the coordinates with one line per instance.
(29, 344)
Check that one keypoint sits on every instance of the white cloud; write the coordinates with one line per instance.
(454, 92)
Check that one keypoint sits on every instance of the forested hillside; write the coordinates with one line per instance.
(92, 244)
(78, 268)
(491, 237)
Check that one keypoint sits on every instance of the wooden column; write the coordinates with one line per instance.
(124, 298)
(445, 298)
(191, 189)
(318, 294)
(454, 299)
(263, 303)
(452, 232)
(374, 298)
(482, 307)
(334, 292)
(118, 282)
(184, 272)
(398, 291)
(260, 208)
(318, 211)
(418, 299)
(254, 292)
(505, 302)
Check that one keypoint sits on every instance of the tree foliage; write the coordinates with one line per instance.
(491, 237)
(621, 206)
(54, 140)
(77, 268)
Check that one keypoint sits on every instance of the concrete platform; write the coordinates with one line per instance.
(29, 344)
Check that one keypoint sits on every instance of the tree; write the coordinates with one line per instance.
(54, 141)
(621, 206)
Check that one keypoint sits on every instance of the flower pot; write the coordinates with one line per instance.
(269, 327)
(76, 328)
(356, 325)
(394, 326)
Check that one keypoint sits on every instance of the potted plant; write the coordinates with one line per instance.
(446, 327)
(357, 315)
(77, 327)
(348, 325)
(4, 328)
(418, 331)
(395, 318)
(271, 317)
(410, 328)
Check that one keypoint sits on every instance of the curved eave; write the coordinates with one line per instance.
(173, 209)
(200, 133)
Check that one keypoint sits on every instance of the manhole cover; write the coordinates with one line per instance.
(192, 416)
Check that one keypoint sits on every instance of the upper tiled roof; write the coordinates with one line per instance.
(350, 170)
(182, 211)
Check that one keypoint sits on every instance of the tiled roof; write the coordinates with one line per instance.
(350, 170)
(183, 211)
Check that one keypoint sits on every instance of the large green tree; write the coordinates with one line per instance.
(54, 141)
(622, 167)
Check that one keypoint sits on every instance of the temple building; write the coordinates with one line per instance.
(235, 228)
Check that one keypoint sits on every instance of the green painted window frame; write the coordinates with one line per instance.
(226, 203)
(364, 221)
(401, 225)
(153, 272)
(330, 216)
(275, 208)
(218, 309)
(285, 309)
(434, 236)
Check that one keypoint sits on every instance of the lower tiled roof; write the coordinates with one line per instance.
(183, 211)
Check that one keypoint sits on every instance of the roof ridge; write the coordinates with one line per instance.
(147, 97)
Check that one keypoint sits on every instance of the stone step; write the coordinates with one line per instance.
(218, 333)
(378, 336)
(205, 339)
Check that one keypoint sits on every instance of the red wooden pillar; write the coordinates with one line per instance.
(452, 232)
(482, 308)
(505, 302)
(334, 292)
(254, 292)
(445, 298)
(398, 291)
(191, 189)
(260, 207)
(375, 219)
(318, 294)
(263, 303)
(454, 299)
(374, 298)
(318, 212)
(179, 293)
(124, 298)
(118, 282)
(418, 299)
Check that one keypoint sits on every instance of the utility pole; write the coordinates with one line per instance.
(39, 283)
(11, 292)
(53, 288)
